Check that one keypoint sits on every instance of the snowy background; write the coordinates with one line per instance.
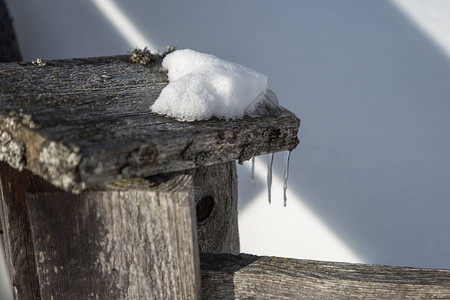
(370, 80)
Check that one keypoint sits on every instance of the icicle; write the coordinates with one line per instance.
(269, 174)
(286, 174)
(252, 174)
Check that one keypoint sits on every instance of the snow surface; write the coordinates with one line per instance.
(202, 86)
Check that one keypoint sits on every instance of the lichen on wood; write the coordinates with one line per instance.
(142, 56)
(39, 62)
(16, 119)
(60, 166)
(11, 151)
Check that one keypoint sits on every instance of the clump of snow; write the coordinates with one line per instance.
(202, 86)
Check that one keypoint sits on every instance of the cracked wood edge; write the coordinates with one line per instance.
(65, 123)
(66, 167)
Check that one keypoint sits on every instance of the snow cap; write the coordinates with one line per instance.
(202, 86)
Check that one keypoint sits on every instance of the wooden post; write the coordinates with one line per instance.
(17, 238)
(117, 244)
(135, 238)
(119, 201)
(134, 242)
(216, 201)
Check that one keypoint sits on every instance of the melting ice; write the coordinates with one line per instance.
(286, 175)
(269, 174)
(252, 173)
(270, 157)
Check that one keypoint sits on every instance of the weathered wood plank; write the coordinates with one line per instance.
(85, 122)
(117, 244)
(216, 198)
(252, 277)
(18, 243)
(120, 240)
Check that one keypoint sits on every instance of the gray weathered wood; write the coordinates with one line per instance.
(85, 122)
(117, 244)
(18, 243)
(252, 277)
(219, 232)
(125, 240)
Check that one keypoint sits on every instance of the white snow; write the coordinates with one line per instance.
(202, 86)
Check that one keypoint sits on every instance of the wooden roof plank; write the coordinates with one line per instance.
(85, 122)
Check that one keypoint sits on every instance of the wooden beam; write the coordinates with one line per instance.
(79, 123)
(138, 241)
(246, 276)
(216, 197)
(129, 239)
(17, 237)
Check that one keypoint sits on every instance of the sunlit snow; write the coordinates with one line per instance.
(202, 86)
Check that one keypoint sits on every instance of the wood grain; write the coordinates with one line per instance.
(77, 128)
(219, 233)
(132, 239)
(226, 276)
(17, 236)
(117, 244)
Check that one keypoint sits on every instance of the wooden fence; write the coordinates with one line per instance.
(101, 199)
